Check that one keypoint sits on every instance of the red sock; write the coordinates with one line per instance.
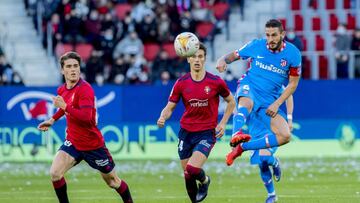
(60, 189)
(124, 192)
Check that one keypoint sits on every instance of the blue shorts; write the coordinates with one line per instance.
(202, 141)
(99, 159)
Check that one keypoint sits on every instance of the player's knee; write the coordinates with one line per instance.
(55, 174)
(263, 165)
(285, 137)
(112, 183)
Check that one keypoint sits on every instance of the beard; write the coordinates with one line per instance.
(277, 46)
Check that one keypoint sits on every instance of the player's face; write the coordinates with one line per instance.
(274, 37)
(197, 61)
(71, 70)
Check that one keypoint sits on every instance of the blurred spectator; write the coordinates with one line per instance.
(136, 73)
(92, 27)
(107, 44)
(56, 31)
(355, 46)
(164, 79)
(163, 27)
(94, 66)
(200, 12)
(17, 79)
(130, 45)
(187, 23)
(139, 11)
(342, 46)
(147, 29)
(183, 6)
(163, 63)
(6, 71)
(118, 71)
(294, 39)
(73, 28)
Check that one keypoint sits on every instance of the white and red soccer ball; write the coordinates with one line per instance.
(186, 44)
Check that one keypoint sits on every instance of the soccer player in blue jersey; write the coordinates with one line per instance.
(265, 158)
(200, 92)
(274, 62)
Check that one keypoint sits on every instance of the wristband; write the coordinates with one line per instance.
(289, 117)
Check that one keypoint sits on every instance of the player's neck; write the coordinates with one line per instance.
(71, 84)
(198, 75)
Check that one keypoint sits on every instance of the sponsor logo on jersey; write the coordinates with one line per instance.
(198, 102)
(271, 68)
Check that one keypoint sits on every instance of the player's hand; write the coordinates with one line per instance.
(59, 102)
(221, 65)
(220, 130)
(161, 122)
(44, 126)
(272, 110)
(290, 123)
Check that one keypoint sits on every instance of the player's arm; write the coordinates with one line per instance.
(289, 90)
(44, 126)
(226, 59)
(166, 113)
(220, 128)
(289, 109)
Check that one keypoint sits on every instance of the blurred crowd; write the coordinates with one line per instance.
(8, 76)
(118, 30)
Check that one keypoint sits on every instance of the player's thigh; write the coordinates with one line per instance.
(197, 159)
(264, 152)
(279, 125)
(61, 164)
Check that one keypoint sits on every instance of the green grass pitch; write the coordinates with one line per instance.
(304, 181)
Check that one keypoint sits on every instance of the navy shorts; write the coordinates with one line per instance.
(99, 159)
(202, 141)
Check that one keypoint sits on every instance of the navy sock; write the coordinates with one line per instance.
(191, 187)
(269, 140)
(60, 189)
(266, 177)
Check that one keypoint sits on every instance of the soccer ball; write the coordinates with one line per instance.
(186, 44)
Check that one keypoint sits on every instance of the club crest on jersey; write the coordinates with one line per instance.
(207, 89)
(283, 62)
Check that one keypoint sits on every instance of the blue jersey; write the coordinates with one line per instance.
(270, 70)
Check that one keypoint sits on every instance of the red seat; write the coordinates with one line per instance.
(303, 40)
(169, 48)
(323, 67)
(84, 50)
(295, 5)
(319, 43)
(306, 68)
(221, 11)
(316, 23)
(334, 21)
(330, 4)
(299, 22)
(313, 4)
(347, 4)
(283, 22)
(205, 30)
(121, 10)
(151, 50)
(351, 22)
(61, 49)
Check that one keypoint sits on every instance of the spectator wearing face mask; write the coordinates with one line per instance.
(294, 39)
(355, 46)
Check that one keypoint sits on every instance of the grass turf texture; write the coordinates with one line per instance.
(304, 180)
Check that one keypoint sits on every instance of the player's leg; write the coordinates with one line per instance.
(266, 175)
(244, 105)
(113, 181)
(101, 160)
(64, 159)
(185, 148)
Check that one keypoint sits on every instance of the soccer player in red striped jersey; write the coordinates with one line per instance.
(84, 140)
(200, 92)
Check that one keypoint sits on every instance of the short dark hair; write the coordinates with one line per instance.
(69, 55)
(275, 24)
(203, 47)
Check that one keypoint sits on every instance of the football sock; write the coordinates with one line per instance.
(239, 119)
(197, 173)
(124, 192)
(266, 177)
(269, 159)
(191, 187)
(60, 189)
(269, 140)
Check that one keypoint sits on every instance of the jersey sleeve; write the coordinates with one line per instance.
(295, 65)
(223, 88)
(175, 93)
(248, 50)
